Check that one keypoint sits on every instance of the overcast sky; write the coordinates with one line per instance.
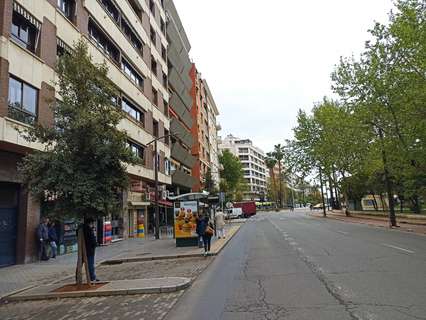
(265, 59)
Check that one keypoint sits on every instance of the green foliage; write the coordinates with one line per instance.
(209, 184)
(83, 165)
(373, 139)
(232, 175)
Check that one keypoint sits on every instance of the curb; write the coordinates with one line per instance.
(104, 292)
(411, 231)
(166, 257)
(141, 259)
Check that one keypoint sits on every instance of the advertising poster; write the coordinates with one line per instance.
(185, 213)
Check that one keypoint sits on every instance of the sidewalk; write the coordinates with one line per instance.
(18, 277)
(404, 224)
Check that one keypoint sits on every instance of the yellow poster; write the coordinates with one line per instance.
(185, 213)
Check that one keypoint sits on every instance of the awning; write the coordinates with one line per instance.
(190, 196)
(163, 203)
(138, 204)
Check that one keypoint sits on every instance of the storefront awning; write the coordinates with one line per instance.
(138, 204)
(163, 203)
(190, 196)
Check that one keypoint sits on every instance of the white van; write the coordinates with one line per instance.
(233, 213)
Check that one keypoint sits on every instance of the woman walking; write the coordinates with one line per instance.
(207, 231)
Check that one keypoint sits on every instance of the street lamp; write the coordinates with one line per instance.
(157, 207)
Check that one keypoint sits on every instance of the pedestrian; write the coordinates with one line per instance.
(53, 239)
(43, 239)
(207, 231)
(198, 224)
(90, 242)
(220, 224)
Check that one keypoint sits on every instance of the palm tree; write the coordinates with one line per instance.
(270, 163)
(278, 155)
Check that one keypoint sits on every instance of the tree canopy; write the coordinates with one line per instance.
(82, 169)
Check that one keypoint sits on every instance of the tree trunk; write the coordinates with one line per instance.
(376, 207)
(346, 197)
(322, 194)
(281, 187)
(82, 259)
(383, 203)
(388, 183)
(333, 205)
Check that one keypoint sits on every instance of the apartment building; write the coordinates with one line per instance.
(130, 36)
(253, 161)
(179, 80)
(204, 131)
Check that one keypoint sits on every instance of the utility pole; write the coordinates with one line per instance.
(156, 198)
(322, 194)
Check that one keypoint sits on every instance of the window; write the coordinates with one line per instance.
(136, 7)
(68, 8)
(155, 128)
(166, 137)
(153, 65)
(164, 79)
(137, 149)
(152, 7)
(243, 150)
(153, 36)
(131, 73)
(22, 101)
(167, 167)
(155, 96)
(130, 34)
(62, 48)
(103, 42)
(166, 108)
(163, 53)
(111, 9)
(24, 32)
(163, 26)
(132, 110)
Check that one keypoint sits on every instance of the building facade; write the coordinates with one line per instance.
(181, 122)
(253, 161)
(130, 37)
(204, 131)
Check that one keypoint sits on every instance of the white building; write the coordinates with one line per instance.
(253, 161)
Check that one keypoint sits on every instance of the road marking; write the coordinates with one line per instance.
(343, 232)
(398, 248)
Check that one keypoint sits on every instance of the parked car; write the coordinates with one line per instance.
(318, 206)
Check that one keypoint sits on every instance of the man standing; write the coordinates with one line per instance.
(43, 238)
(220, 224)
(90, 242)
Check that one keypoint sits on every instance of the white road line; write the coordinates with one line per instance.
(398, 248)
(343, 232)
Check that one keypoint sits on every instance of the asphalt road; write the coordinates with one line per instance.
(293, 266)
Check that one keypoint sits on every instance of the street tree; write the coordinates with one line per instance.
(82, 168)
(232, 175)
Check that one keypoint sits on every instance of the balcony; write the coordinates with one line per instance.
(181, 178)
(182, 155)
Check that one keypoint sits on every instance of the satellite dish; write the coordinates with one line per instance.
(229, 205)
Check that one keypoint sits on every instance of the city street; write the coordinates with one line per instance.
(293, 266)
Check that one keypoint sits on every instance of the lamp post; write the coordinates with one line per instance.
(157, 207)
